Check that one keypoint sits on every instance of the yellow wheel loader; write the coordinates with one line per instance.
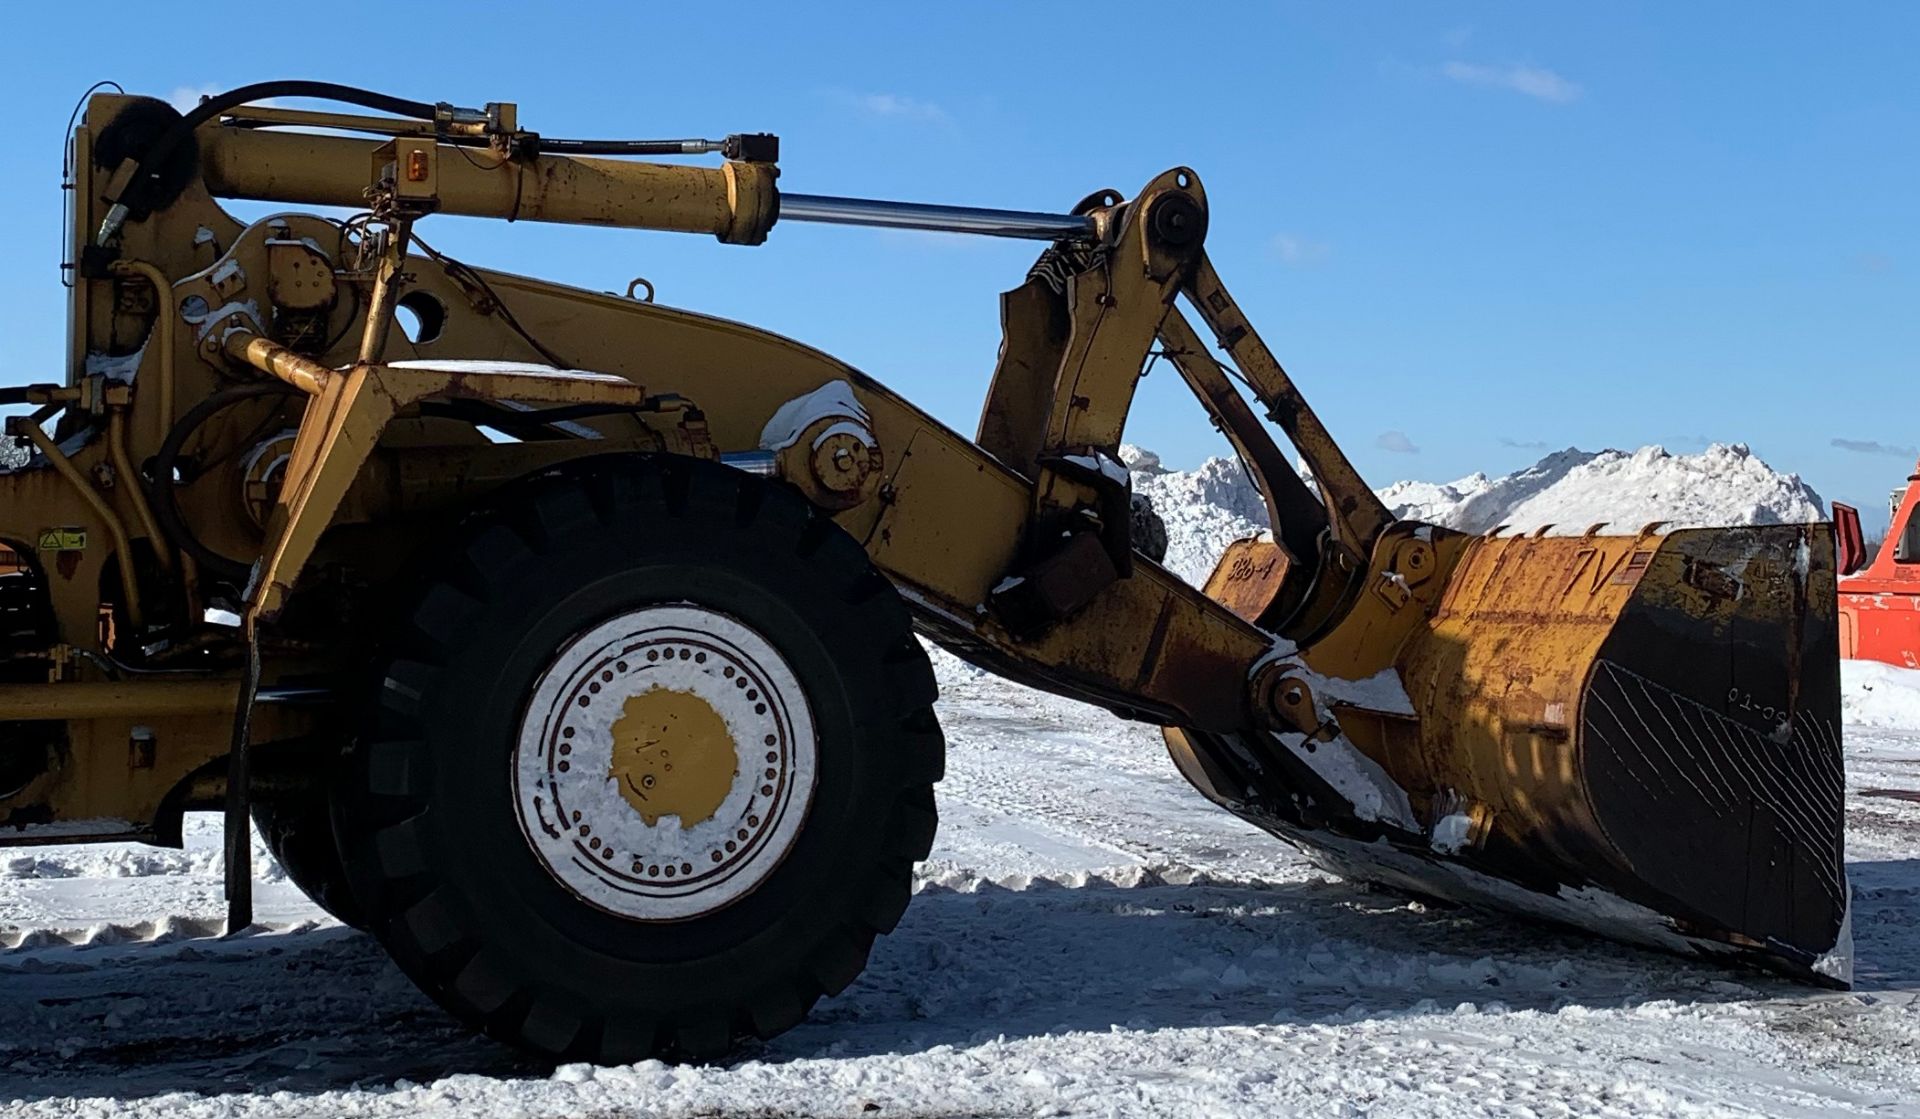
(566, 642)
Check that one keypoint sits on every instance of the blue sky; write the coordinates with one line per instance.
(1473, 232)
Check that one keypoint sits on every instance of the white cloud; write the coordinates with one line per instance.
(1534, 81)
(898, 105)
(1875, 447)
(186, 97)
(1396, 442)
(1299, 251)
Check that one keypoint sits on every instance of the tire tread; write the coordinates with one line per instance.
(621, 502)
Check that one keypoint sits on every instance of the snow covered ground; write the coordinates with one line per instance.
(1090, 938)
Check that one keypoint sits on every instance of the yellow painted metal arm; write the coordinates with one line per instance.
(122, 545)
(1358, 517)
(735, 202)
(348, 411)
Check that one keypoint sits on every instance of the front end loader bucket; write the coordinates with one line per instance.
(1635, 735)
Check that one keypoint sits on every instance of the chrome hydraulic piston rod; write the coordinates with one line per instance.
(942, 219)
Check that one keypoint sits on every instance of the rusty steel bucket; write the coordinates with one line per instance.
(1639, 736)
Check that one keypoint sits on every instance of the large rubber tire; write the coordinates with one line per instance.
(299, 832)
(426, 813)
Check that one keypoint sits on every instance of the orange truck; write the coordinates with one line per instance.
(1880, 600)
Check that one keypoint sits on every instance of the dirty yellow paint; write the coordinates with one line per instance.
(672, 756)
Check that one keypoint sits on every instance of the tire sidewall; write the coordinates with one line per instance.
(487, 873)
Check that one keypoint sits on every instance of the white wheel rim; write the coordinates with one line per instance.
(605, 719)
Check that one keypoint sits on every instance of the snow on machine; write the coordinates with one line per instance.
(565, 641)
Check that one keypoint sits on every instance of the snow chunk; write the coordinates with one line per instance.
(1099, 463)
(1450, 833)
(1873, 694)
(464, 365)
(1380, 692)
(216, 319)
(1355, 776)
(846, 427)
(1140, 460)
(115, 367)
(1837, 962)
(832, 400)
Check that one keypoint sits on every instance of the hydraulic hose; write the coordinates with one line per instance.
(136, 492)
(163, 323)
(122, 544)
(167, 509)
(294, 87)
(139, 194)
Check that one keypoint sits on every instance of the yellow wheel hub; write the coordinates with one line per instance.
(665, 762)
(673, 756)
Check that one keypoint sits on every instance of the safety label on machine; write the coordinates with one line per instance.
(63, 539)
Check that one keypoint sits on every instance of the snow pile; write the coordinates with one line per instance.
(1465, 503)
(1726, 484)
(1873, 694)
(106, 860)
(201, 856)
(1572, 489)
(13, 455)
(1204, 509)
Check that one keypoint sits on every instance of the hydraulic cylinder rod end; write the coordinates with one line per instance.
(303, 373)
(753, 202)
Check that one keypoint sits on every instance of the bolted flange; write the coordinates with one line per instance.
(1284, 701)
(836, 462)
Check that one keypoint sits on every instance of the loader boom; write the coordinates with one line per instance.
(1117, 314)
(253, 456)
